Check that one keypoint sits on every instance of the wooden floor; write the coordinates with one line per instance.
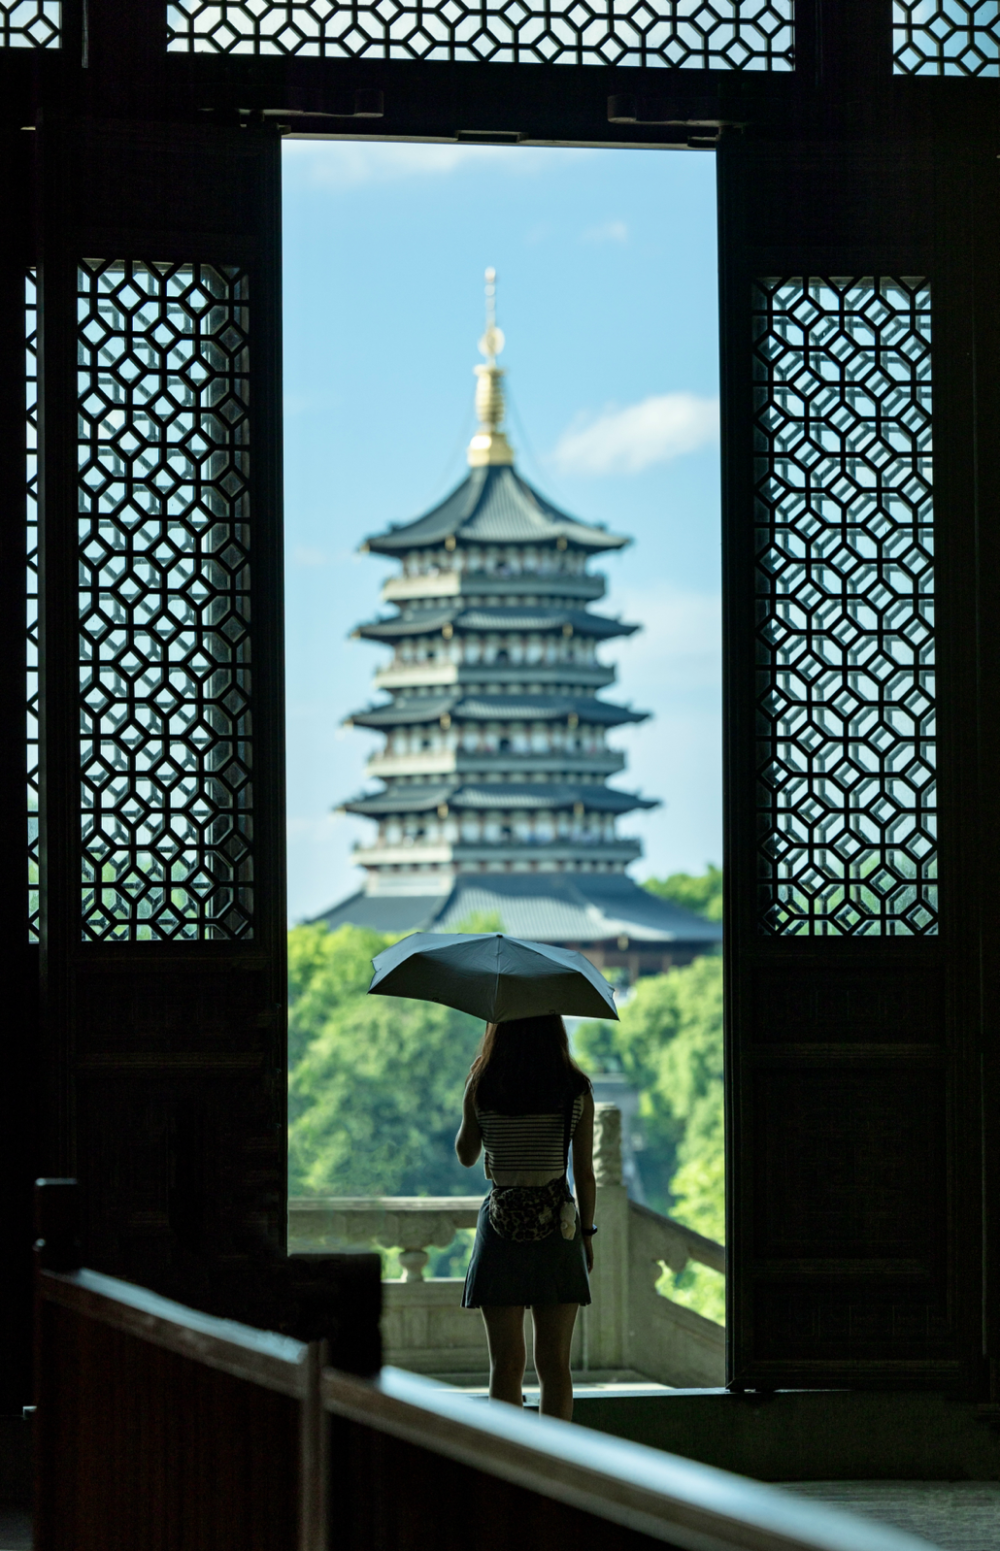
(955, 1515)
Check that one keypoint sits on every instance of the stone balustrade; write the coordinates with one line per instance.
(411, 1224)
(628, 1328)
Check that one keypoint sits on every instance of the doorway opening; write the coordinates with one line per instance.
(534, 745)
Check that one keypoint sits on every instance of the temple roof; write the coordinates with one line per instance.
(494, 505)
(536, 620)
(542, 907)
(409, 710)
(514, 796)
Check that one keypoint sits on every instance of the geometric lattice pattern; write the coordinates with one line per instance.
(30, 23)
(166, 791)
(946, 37)
(845, 621)
(697, 34)
(31, 589)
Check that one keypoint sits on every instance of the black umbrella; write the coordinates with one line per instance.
(492, 976)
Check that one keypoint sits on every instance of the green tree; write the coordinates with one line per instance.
(700, 892)
(326, 970)
(480, 921)
(375, 1086)
(668, 1044)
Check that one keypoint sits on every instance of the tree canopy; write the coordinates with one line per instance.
(700, 892)
(668, 1044)
(375, 1083)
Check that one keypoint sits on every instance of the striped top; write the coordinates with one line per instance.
(525, 1149)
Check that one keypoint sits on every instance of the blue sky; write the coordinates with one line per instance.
(606, 292)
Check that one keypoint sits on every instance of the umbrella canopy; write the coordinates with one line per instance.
(492, 976)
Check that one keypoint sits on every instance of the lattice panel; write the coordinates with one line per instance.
(845, 642)
(696, 34)
(30, 23)
(164, 601)
(946, 37)
(31, 590)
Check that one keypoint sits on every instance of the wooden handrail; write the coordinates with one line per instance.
(661, 1496)
(275, 1362)
(153, 1414)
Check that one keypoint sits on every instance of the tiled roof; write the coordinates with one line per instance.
(491, 620)
(532, 795)
(403, 799)
(410, 710)
(524, 796)
(397, 913)
(542, 907)
(545, 708)
(422, 622)
(541, 619)
(494, 505)
(405, 711)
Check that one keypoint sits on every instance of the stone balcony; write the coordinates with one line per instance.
(487, 586)
(628, 1331)
(450, 761)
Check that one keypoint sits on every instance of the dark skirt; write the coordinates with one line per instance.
(501, 1271)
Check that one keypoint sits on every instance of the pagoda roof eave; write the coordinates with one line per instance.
(416, 710)
(494, 505)
(510, 797)
(535, 621)
(565, 907)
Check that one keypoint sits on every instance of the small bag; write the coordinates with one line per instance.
(528, 1213)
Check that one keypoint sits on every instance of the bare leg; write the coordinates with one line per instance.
(505, 1335)
(553, 1338)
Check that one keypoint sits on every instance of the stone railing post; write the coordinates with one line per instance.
(607, 1317)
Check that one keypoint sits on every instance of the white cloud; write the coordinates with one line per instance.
(302, 554)
(626, 441)
(345, 164)
(679, 648)
(611, 231)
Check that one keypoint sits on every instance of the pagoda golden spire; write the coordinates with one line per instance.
(490, 445)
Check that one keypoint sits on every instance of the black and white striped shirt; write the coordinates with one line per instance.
(525, 1149)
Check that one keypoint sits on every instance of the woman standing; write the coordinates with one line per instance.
(526, 1103)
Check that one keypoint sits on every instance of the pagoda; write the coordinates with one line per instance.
(494, 807)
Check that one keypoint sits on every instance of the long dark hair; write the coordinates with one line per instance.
(524, 1067)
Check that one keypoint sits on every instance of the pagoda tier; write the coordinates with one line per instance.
(546, 736)
(495, 756)
(451, 707)
(491, 510)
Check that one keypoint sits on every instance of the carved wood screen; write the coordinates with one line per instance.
(684, 34)
(853, 1073)
(19, 1156)
(163, 907)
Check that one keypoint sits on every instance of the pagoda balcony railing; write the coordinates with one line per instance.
(465, 762)
(399, 677)
(629, 1328)
(572, 675)
(537, 584)
(418, 850)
